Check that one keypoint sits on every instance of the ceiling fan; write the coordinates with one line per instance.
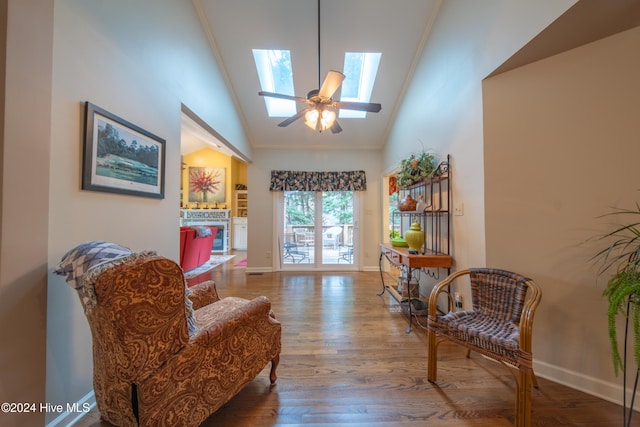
(320, 110)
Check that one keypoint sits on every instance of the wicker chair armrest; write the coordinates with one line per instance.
(203, 294)
(439, 288)
(526, 320)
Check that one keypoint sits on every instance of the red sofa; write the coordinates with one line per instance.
(194, 250)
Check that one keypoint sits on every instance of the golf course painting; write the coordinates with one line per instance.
(121, 157)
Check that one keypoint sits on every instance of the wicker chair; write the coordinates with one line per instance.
(499, 326)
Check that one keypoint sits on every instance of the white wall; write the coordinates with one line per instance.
(261, 216)
(442, 109)
(141, 61)
(25, 96)
(561, 149)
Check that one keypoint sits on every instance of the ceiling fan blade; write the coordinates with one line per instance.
(281, 96)
(331, 84)
(359, 106)
(293, 118)
(336, 128)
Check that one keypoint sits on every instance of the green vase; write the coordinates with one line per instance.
(414, 237)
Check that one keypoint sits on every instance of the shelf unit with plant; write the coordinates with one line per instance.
(430, 187)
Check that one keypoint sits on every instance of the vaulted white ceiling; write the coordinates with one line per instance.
(397, 29)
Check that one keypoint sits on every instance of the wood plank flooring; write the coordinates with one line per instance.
(347, 361)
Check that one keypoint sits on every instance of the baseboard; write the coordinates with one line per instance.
(608, 391)
(74, 411)
(258, 270)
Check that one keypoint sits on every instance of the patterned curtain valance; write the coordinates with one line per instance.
(318, 181)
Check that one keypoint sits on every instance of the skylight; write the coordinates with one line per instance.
(361, 69)
(276, 75)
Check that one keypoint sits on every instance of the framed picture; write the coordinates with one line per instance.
(120, 157)
(207, 185)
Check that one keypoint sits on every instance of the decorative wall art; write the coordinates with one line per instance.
(207, 185)
(120, 157)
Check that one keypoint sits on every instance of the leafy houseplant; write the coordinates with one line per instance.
(415, 168)
(622, 257)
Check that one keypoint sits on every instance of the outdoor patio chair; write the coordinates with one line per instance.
(331, 237)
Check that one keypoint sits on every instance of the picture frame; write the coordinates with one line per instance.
(207, 185)
(120, 157)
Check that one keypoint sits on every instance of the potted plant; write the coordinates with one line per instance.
(415, 168)
(621, 258)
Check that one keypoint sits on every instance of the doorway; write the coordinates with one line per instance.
(318, 230)
(202, 148)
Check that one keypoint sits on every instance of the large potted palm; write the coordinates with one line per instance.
(620, 259)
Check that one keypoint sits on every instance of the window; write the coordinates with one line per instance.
(276, 75)
(360, 69)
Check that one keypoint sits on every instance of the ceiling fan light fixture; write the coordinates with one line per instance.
(326, 117)
(311, 118)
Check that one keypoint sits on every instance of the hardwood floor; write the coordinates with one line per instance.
(347, 361)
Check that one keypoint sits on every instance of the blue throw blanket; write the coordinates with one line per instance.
(202, 231)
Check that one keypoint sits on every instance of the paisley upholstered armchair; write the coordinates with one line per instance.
(150, 369)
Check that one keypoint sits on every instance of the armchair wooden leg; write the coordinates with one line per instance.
(274, 365)
(432, 356)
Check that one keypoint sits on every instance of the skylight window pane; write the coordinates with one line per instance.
(353, 70)
(276, 75)
(360, 69)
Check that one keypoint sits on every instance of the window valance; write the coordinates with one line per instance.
(318, 181)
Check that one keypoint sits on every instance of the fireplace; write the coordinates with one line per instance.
(214, 217)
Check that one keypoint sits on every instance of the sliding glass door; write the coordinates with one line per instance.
(317, 230)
